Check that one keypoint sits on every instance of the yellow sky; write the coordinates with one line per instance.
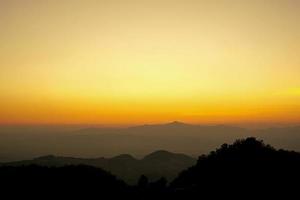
(126, 62)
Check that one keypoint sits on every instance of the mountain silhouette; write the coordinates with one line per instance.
(162, 155)
(154, 166)
(247, 167)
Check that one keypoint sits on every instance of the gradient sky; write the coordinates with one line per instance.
(128, 62)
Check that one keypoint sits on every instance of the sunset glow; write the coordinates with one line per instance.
(135, 62)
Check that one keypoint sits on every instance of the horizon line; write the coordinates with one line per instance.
(128, 125)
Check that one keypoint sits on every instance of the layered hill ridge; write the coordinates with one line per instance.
(155, 165)
(246, 168)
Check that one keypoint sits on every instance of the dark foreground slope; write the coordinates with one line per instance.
(37, 182)
(247, 167)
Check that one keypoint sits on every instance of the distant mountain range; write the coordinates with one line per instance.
(27, 142)
(246, 168)
(155, 165)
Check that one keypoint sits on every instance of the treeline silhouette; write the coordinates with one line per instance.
(247, 168)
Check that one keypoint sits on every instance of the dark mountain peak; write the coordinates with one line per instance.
(162, 155)
(124, 157)
(159, 153)
(177, 123)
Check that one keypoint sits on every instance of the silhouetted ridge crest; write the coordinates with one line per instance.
(245, 149)
(236, 168)
(162, 155)
(156, 165)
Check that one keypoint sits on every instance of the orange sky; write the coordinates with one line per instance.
(130, 62)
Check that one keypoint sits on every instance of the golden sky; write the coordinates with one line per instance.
(148, 61)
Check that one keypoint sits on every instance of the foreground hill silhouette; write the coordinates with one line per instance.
(155, 165)
(246, 169)
(38, 182)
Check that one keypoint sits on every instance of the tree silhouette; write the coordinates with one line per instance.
(247, 166)
(143, 182)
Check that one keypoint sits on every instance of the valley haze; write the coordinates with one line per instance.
(28, 142)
